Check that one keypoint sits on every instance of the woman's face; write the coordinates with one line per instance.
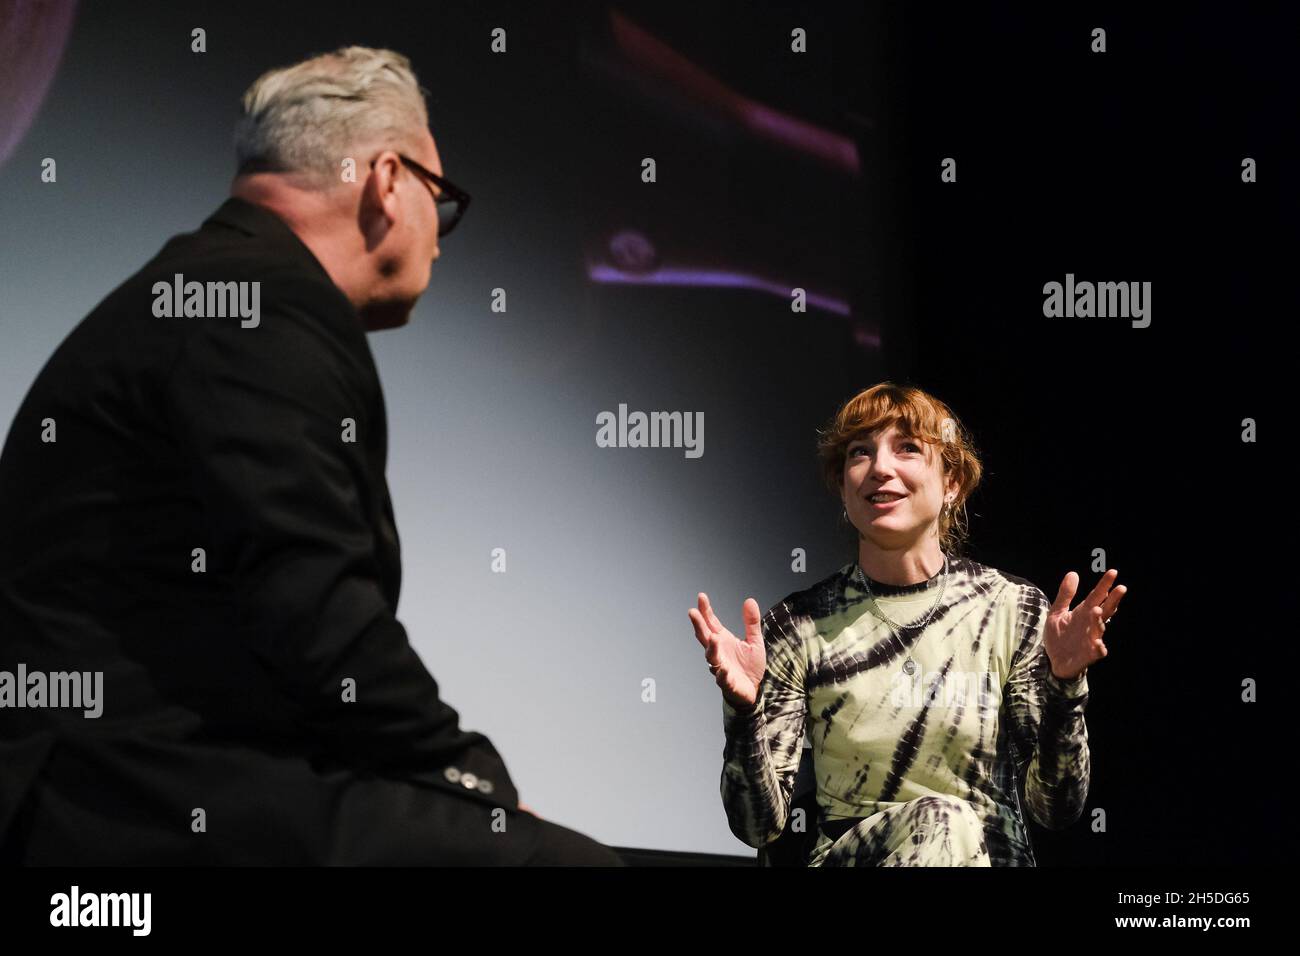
(889, 461)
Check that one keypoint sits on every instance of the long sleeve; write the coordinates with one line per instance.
(763, 748)
(1050, 737)
(292, 534)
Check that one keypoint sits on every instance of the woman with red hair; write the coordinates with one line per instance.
(933, 689)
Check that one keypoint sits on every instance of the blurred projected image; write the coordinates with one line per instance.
(33, 34)
(738, 193)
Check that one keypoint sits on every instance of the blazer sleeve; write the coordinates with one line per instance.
(764, 746)
(260, 412)
(1049, 735)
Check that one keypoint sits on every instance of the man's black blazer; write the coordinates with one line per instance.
(225, 735)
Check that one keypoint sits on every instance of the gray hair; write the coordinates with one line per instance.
(308, 117)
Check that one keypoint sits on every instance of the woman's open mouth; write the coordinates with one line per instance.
(885, 503)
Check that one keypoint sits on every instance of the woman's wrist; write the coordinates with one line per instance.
(1069, 686)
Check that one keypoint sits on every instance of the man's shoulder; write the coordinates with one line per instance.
(282, 266)
(200, 264)
(221, 281)
(211, 300)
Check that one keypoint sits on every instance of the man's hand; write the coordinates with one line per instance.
(528, 810)
(1073, 637)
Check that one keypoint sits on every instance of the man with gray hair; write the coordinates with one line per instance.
(211, 529)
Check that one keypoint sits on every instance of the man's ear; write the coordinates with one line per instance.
(378, 203)
(381, 186)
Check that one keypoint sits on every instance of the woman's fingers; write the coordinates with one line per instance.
(1112, 601)
(1065, 593)
(705, 621)
(709, 616)
(701, 629)
(1098, 594)
(753, 622)
(721, 648)
(706, 611)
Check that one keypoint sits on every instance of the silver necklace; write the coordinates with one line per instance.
(909, 665)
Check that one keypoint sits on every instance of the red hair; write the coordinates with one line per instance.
(918, 415)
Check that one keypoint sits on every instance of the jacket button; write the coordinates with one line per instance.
(468, 780)
(485, 786)
(452, 774)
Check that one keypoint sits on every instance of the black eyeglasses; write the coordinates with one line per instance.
(451, 200)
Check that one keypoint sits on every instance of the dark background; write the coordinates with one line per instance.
(1123, 166)
(1100, 435)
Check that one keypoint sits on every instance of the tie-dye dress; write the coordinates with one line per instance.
(933, 769)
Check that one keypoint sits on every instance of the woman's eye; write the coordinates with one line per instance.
(862, 448)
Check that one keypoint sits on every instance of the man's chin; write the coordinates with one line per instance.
(386, 315)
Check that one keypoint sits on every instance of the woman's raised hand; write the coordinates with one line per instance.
(737, 666)
(1072, 637)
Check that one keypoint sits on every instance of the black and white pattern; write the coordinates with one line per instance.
(901, 775)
